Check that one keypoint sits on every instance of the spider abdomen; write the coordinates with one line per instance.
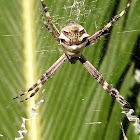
(73, 50)
(73, 38)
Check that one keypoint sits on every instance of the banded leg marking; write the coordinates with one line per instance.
(103, 31)
(49, 18)
(44, 78)
(113, 92)
(35, 91)
(31, 88)
(46, 25)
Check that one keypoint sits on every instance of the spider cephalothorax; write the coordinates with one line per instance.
(73, 38)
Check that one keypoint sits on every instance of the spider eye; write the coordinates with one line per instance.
(66, 33)
(78, 34)
(82, 32)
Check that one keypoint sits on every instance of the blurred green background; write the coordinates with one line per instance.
(75, 106)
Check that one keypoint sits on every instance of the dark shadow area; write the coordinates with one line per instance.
(136, 88)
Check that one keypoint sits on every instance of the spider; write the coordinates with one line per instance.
(74, 39)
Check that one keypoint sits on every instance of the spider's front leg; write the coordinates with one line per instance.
(103, 31)
(113, 92)
(49, 18)
(44, 78)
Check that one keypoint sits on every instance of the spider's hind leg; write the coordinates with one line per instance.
(31, 88)
(35, 88)
(113, 92)
(35, 91)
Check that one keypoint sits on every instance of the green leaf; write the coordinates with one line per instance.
(75, 106)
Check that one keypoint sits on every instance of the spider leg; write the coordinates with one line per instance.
(113, 92)
(49, 18)
(44, 78)
(103, 31)
(31, 88)
(46, 25)
(36, 90)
